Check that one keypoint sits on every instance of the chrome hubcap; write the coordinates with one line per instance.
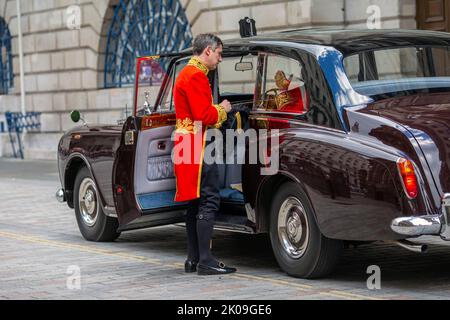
(293, 231)
(87, 198)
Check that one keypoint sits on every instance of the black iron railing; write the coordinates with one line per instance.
(17, 122)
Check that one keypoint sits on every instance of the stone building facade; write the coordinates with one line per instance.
(64, 66)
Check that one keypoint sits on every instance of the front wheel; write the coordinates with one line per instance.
(299, 247)
(94, 225)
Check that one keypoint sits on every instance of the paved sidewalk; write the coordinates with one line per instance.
(42, 252)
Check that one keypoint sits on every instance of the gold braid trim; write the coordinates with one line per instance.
(221, 115)
(187, 126)
(198, 64)
(283, 99)
(239, 123)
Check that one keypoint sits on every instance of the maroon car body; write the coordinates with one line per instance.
(341, 156)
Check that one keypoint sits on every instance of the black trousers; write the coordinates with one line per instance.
(201, 214)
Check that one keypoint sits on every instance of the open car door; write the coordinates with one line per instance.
(143, 176)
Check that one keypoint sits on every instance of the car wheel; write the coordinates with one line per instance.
(299, 247)
(94, 225)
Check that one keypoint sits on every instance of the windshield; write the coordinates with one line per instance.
(399, 71)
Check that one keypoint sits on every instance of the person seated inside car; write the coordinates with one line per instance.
(288, 96)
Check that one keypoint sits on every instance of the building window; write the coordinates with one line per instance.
(140, 28)
(6, 69)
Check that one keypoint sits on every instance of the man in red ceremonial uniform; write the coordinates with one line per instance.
(197, 181)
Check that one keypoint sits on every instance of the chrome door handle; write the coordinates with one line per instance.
(161, 145)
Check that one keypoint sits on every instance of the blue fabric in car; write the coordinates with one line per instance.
(158, 200)
(165, 198)
(231, 195)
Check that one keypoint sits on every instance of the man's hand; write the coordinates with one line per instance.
(226, 105)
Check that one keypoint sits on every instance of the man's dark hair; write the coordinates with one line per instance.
(202, 41)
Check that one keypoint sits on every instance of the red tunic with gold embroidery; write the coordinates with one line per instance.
(194, 110)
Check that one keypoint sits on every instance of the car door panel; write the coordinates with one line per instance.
(143, 176)
(155, 183)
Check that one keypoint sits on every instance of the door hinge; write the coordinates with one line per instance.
(129, 137)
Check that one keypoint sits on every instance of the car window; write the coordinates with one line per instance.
(283, 86)
(167, 104)
(151, 73)
(397, 71)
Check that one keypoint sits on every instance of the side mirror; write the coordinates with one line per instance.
(243, 66)
(75, 116)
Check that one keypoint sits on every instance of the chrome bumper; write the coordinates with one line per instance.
(60, 195)
(426, 225)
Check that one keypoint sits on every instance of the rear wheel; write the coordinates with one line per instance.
(94, 225)
(299, 247)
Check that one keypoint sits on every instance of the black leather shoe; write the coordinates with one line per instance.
(190, 266)
(204, 270)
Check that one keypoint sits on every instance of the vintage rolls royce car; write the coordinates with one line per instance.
(364, 145)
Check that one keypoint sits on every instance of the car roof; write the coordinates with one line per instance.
(347, 41)
(350, 41)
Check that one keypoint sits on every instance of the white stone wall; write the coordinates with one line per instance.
(61, 65)
(393, 14)
(64, 68)
(222, 16)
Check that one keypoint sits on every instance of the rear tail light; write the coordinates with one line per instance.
(409, 180)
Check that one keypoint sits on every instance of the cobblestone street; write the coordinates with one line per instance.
(42, 249)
